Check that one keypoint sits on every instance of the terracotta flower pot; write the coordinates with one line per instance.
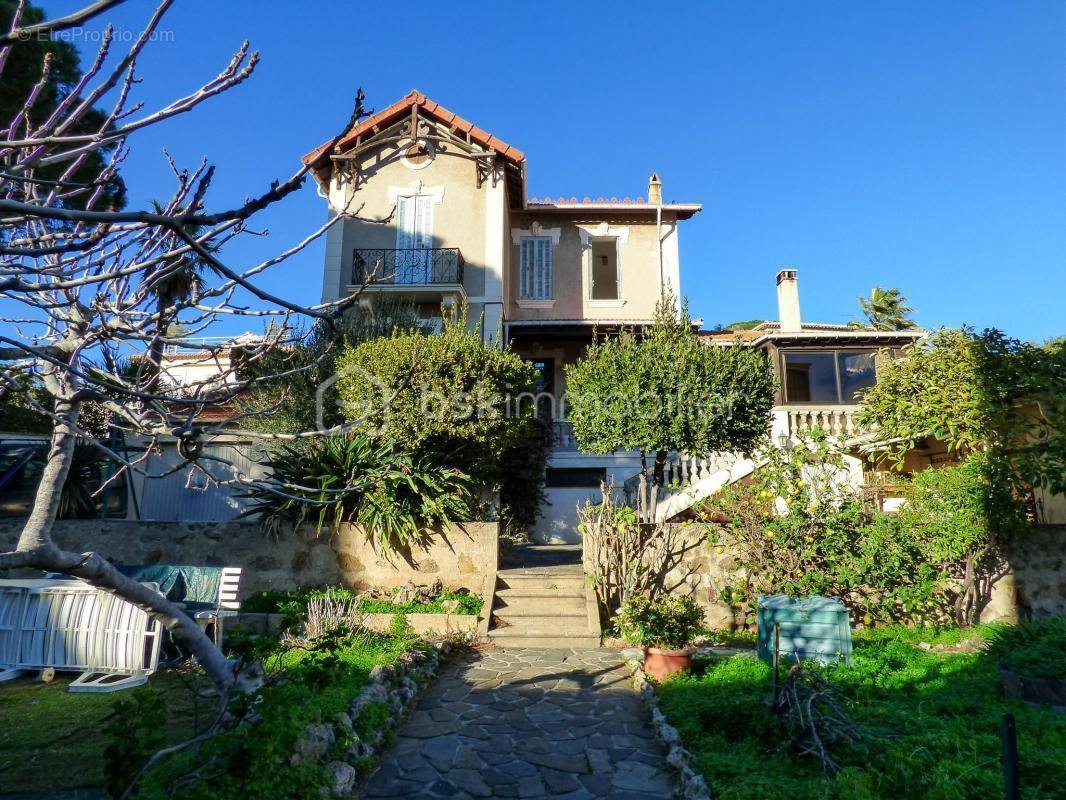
(661, 664)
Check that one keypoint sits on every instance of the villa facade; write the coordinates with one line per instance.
(444, 218)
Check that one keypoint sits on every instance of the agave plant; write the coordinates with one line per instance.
(391, 492)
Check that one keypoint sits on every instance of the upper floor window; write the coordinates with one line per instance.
(535, 273)
(834, 377)
(604, 277)
(414, 222)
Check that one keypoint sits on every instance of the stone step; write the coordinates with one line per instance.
(541, 593)
(544, 625)
(542, 618)
(555, 640)
(546, 603)
(553, 582)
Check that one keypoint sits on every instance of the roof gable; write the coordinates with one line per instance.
(382, 119)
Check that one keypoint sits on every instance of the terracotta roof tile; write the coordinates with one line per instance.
(431, 108)
(535, 203)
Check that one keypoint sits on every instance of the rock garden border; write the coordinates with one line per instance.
(397, 686)
(692, 785)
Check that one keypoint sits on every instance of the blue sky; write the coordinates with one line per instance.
(911, 144)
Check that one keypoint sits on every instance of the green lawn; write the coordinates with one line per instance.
(53, 741)
(931, 723)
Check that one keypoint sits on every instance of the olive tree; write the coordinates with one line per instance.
(663, 390)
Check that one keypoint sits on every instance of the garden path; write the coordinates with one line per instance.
(530, 723)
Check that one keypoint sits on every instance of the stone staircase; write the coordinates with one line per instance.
(543, 600)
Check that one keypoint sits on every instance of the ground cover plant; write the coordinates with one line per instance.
(930, 722)
(52, 741)
(307, 682)
(295, 602)
(1036, 649)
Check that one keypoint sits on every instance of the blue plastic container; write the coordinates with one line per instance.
(815, 628)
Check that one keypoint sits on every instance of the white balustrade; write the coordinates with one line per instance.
(836, 421)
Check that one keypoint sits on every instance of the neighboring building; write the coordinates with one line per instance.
(203, 363)
(456, 226)
(821, 368)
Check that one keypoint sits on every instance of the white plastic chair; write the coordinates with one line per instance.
(228, 605)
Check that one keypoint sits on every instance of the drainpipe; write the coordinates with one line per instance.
(655, 195)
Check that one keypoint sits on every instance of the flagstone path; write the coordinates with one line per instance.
(564, 724)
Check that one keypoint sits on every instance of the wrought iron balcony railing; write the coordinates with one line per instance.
(408, 266)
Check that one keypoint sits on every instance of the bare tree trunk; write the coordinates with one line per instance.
(36, 550)
(36, 533)
(964, 603)
(660, 468)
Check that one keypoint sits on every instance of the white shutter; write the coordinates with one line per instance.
(404, 222)
(546, 269)
(525, 271)
(424, 221)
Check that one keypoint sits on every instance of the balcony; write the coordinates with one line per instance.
(437, 266)
(837, 421)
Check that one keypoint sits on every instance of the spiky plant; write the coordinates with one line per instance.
(887, 310)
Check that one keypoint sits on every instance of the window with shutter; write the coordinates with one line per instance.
(414, 237)
(535, 269)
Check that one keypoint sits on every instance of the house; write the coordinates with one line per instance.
(821, 371)
(444, 218)
(821, 368)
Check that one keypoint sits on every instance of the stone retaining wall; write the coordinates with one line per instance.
(461, 556)
(1036, 583)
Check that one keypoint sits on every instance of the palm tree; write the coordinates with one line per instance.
(887, 310)
(174, 282)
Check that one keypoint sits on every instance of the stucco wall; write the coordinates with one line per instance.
(1037, 582)
(460, 557)
(638, 259)
(459, 220)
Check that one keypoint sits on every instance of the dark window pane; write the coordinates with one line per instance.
(575, 478)
(857, 372)
(810, 378)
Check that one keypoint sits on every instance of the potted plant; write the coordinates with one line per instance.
(664, 627)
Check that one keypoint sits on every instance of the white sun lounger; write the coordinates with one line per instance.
(70, 625)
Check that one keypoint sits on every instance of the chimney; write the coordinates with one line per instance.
(655, 190)
(788, 301)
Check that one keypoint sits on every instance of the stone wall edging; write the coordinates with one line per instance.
(398, 686)
(693, 786)
(460, 557)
